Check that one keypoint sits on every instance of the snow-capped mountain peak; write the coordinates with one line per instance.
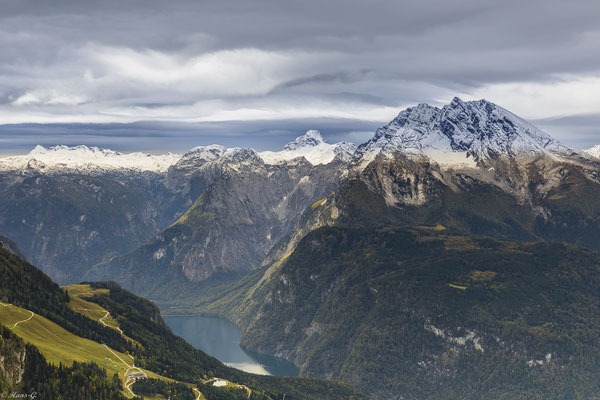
(310, 139)
(460, 133)
(484, 128)
(87, 158)
(313, 148)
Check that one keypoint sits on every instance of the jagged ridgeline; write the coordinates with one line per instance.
(233, 231)
(84, 341)
(472, 167)
(184, 217)
(163, 225)
(247, 201)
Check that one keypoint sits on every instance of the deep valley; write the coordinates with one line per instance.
(454, 254)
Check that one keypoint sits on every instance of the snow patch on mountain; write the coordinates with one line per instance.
(313, 148)
(241, 159)
(207, 153)
(199, 156)
(594, 151)
(87, 158)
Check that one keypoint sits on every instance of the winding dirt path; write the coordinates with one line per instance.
(247, 389)
(25, 320)
(129, 380)
(131, 366)
(118, 356)
(110, 326)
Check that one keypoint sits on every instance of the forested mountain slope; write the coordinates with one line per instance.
(134, 338)
(421, 314)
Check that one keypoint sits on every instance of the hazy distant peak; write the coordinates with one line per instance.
(310, 139)
(80, 150)
(313, 148)
(208, 153)
(87, 158)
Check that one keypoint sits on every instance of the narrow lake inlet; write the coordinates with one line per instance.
(220, 338)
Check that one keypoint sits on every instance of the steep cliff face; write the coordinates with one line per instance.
(12, 360)
(68, 208)
(67, 222)
(245, 206)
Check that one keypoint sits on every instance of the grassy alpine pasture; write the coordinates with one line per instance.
(83, 290)
(77, 302)
(58, 345)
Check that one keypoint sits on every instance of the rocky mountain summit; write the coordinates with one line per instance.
(448, 165)
(311, 138)
(594, 151)
(241, 203)
(312, 147)
(461, 133)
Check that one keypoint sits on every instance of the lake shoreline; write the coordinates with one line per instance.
(220, 338)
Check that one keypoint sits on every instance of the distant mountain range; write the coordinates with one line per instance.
(326, 253)
(89, 159)
(109, 202)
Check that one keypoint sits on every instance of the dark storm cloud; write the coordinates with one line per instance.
(160, 137)
(263, 60)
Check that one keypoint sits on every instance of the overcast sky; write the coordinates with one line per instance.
(259, 72)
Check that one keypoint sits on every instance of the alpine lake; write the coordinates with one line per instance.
(220, 338)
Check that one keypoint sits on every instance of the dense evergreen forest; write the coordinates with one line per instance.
(163, 352)
(171, 390)
(419, 313)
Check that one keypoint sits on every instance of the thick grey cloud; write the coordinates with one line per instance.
(223, 62)
(162, 137)
(581, 131)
